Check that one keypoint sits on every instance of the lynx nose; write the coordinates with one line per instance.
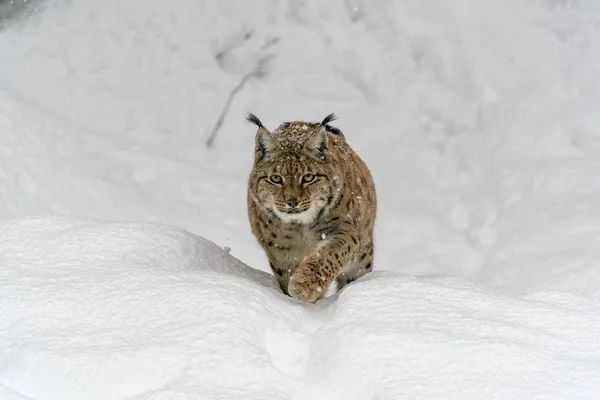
(292, 203)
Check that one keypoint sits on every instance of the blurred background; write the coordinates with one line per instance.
(479, 120)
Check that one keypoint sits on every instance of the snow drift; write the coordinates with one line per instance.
(110, 311)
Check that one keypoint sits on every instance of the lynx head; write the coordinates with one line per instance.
(296, 176)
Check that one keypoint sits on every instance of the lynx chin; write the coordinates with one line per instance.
(312, 206)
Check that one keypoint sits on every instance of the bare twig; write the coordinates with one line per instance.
(259, 71)
(232, 46)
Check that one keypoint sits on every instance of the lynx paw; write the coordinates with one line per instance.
(306, 285)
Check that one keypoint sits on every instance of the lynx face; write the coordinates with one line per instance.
(294, 185)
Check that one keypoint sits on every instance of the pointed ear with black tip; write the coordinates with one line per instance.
(330, 118)
(265, 144)
(317, 143)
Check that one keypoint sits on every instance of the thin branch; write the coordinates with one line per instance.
(259, 71)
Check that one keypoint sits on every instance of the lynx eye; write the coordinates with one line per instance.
(276, 179)
(308, 178)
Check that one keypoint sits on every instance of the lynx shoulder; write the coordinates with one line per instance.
(312, 206)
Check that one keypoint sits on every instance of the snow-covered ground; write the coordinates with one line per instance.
(114, 311)
(478, 119)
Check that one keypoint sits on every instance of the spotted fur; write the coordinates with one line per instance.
(312, 207)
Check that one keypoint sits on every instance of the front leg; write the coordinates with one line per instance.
(318, 270)
(283, 276)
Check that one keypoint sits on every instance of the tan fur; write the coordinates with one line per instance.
(331, 234)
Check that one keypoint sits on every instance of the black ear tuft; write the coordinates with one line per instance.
(254, 119)
(330, 118)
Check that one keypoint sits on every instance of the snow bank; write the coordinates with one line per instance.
(108, 311)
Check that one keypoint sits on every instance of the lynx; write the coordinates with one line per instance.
(312, 207)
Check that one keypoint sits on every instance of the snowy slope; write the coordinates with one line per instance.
(111, 311)
(478, 119)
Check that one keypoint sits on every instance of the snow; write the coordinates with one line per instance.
(107, 310)
(478, 120)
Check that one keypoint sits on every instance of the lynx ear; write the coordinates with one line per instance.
(317, 143)
(265, 142)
